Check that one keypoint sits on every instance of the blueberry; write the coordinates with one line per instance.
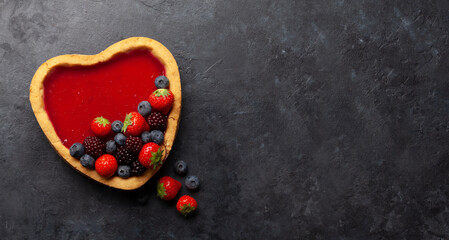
(144, 108)
(181, 168)
(110, 147)
(157, 136)
(161, 82)
(117, 126)
(77, 150)
(123, 171)
(87, 161)
(120, 139)
(146, 137)
(192, 183)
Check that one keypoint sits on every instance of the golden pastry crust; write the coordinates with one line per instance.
(171, 71)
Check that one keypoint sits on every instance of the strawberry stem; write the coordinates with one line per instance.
(186, 209)
(161, 190)
(161, 92)
(156, 158)
(101, 120)
(127, 122)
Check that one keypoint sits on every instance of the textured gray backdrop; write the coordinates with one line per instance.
(303, 119)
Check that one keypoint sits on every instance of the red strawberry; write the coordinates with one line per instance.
(100, 126)
(106, 165)
(151, 155)
(167, 188)
(186, 205)
(134, 124)
(161, 100)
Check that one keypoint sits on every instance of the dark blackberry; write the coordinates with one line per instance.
(136, 168)
(157, 121)
(124, 156)
(134, 144)
(94, 147)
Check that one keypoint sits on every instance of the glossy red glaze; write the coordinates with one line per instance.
(75, 95)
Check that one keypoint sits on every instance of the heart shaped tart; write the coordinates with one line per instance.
(69, 91)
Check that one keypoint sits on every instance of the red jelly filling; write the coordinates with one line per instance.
(75, 95)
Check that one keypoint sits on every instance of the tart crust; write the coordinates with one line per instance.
(171, 71)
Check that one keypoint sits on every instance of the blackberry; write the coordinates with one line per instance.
(157, 121)
(94, 147)
(134, 144)
(124, 156)
(137, 169)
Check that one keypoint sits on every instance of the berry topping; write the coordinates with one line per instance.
(134, 144)
(151, 155)
(167, 188)
(157, 121)
(111, 147)
(186, 205)
(147, 127)
(181, 168)
(100, 126)
(162, 100)
(124, 171)
(120, 139)
(94, 146)
(106, 165)
(157, 136)
(161, 82)
(146, 137)
(192, 183)
(77, 150)
(116, 126)
(134, 124)
(87, 161)
(144, 108)
(124, 156)
(136, 168)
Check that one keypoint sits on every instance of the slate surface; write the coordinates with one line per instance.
(303, 119)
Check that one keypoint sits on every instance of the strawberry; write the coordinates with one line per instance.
(167, 188)
(151, 155)
(161, 100)
(100, 126)
(106, 165)
(186, 205)
(134, 124)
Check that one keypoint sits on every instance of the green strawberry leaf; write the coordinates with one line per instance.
(101, 120)
(161, 92)
(156, 158)
(186, 209)
(127, 122)
(161, 190)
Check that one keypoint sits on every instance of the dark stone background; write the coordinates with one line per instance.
(304, 120)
